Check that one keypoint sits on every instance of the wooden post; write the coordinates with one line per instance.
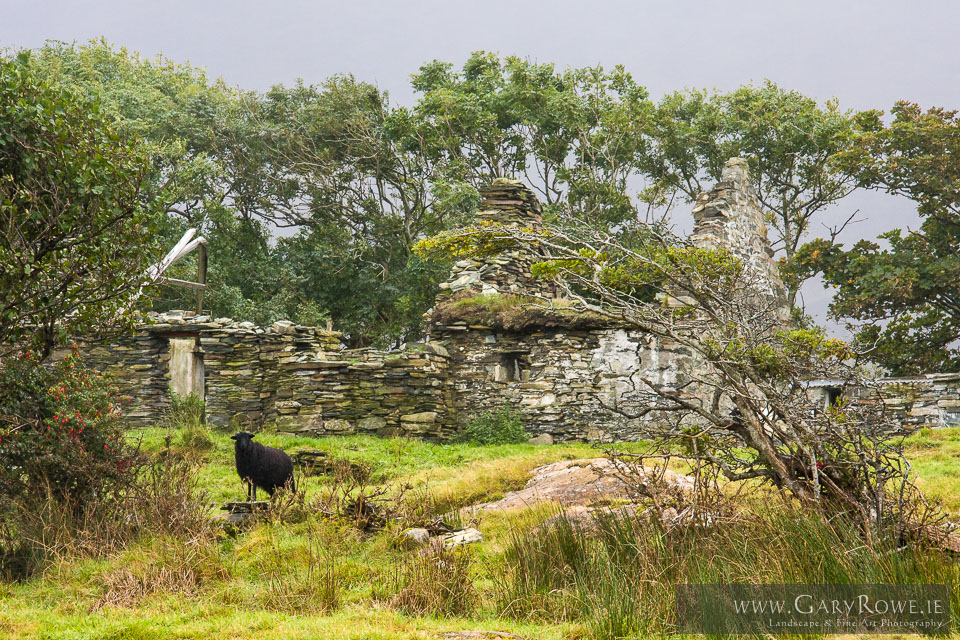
(201, 274)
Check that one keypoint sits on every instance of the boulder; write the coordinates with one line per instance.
(462, 537)
(417, 535)
(543, 439)
(582, 483)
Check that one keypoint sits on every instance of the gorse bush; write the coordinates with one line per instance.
(61, 431)
(503, 426)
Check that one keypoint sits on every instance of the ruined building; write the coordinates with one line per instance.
(562, 370)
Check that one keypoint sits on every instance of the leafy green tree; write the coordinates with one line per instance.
(905, 298)
(207, 163)
(310, 196)
(574, 136)
(788, 139)
(356, 181)
(77, 229)
(361, 190)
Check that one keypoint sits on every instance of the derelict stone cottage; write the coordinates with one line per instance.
(562, 370)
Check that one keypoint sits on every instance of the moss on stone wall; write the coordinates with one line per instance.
(512, 313)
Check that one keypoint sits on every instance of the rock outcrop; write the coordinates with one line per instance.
(586, 482)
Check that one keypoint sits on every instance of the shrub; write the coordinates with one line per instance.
(503, 426)
(61, 431)
(161, 498)
(65, 467)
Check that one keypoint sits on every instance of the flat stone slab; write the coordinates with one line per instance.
(247, 506)
(462, 537)
(579, 483)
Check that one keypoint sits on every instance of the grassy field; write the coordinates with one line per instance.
(935, 456)
(319, 577)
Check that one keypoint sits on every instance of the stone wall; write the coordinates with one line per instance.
(729, 216)
(505, 202)
(404, 392)
(288, 377)
(931, 400)
(573, 376)
(570, 384)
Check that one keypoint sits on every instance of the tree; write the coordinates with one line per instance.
(787, 138)
(358, 181)
(740, 405)
(76, 231)
(363, 188)
(574, 135)
(334, 163)
(904, 299)
(207, 162)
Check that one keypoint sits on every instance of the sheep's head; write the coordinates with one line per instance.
(244, 440)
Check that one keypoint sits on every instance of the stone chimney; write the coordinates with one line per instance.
(729, 216)
(510, 202)
(507, 202)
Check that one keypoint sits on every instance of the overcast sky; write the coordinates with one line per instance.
(867, 54)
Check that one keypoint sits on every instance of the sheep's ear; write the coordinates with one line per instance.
(252, 436)
(233, 437)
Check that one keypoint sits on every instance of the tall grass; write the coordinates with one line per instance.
(298, 575)
(437, 582)
(161, 566)
(161, 498)
(187, 414)
(620, 578)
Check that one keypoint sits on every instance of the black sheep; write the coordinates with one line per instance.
(261, 466)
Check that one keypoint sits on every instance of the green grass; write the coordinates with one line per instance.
(269, 581)
(935, 456)
(486, 472)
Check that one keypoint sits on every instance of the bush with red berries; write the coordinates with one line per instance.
(61, 432)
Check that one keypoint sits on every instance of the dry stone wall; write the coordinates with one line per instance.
(928, 401)
(579, 384)
(289, 377)
(573, 376)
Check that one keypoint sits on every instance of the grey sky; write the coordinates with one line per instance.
(868, 54)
